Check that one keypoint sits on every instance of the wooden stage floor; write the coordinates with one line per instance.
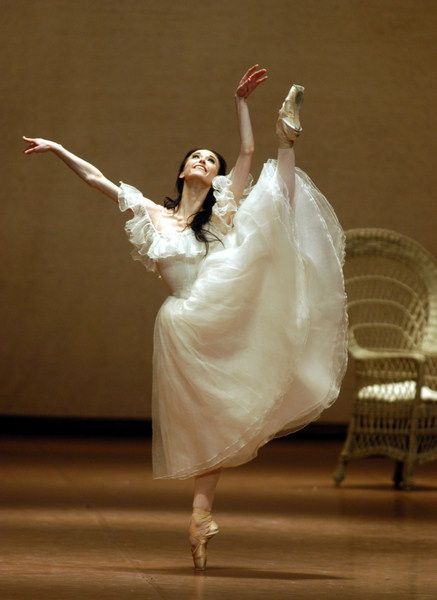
(83, 519)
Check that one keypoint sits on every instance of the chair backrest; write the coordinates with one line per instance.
(391, 284)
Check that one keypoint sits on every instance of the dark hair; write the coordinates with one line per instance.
(203, 216)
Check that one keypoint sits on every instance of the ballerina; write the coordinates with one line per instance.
(251, 343)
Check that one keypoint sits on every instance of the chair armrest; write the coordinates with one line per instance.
(359, 353)
(373, 366)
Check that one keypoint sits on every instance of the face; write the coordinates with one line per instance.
(202, 165)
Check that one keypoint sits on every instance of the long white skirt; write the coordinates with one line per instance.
(259, 348)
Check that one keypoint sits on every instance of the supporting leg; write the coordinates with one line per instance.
(202, 528)
(204, 489)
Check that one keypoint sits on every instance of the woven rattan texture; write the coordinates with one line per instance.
(391, 284)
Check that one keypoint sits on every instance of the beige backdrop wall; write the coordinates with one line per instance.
(130, 86)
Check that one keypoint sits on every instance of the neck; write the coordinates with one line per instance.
(193, 197)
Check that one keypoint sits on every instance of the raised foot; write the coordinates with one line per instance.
(288, 126)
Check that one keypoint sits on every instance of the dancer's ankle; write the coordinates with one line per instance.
(201, 511)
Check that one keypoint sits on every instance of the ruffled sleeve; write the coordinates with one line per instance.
(140, 229)
(225, 204)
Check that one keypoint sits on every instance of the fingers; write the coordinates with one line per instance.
(250, 80)
(256, 78)
(30, 141)
(254, 82)
(259, 74)
(262, 79)
(254, 73)
(251, 70)
(32, 145)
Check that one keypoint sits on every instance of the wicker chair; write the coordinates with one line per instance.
(391, 283)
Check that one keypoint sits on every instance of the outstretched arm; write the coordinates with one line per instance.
(252, 78)
(85, 170)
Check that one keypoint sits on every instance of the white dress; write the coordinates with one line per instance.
(251, 344)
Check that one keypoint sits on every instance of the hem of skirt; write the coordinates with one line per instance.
(219, 461)
(299, 422)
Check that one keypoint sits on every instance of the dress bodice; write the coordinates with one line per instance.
(176, 256)
(179, 273)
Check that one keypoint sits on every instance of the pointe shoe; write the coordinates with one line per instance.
(288, 126)
(202, 529)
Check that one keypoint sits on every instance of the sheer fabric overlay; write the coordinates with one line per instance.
(252, 342)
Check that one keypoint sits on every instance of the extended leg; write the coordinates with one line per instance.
(286, 167)
(288, 129)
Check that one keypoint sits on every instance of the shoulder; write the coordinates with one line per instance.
(131, 197)
(153, 207)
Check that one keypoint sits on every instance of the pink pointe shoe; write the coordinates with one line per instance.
(288, 126)
(202, 529)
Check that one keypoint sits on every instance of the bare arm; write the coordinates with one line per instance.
(252, 78)
(85, 170)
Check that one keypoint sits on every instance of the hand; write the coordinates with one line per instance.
(251, 79)
(38, 145)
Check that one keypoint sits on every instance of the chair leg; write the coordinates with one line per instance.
(408, 482)
(398, 475)
(340, 471)
(412, 443)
